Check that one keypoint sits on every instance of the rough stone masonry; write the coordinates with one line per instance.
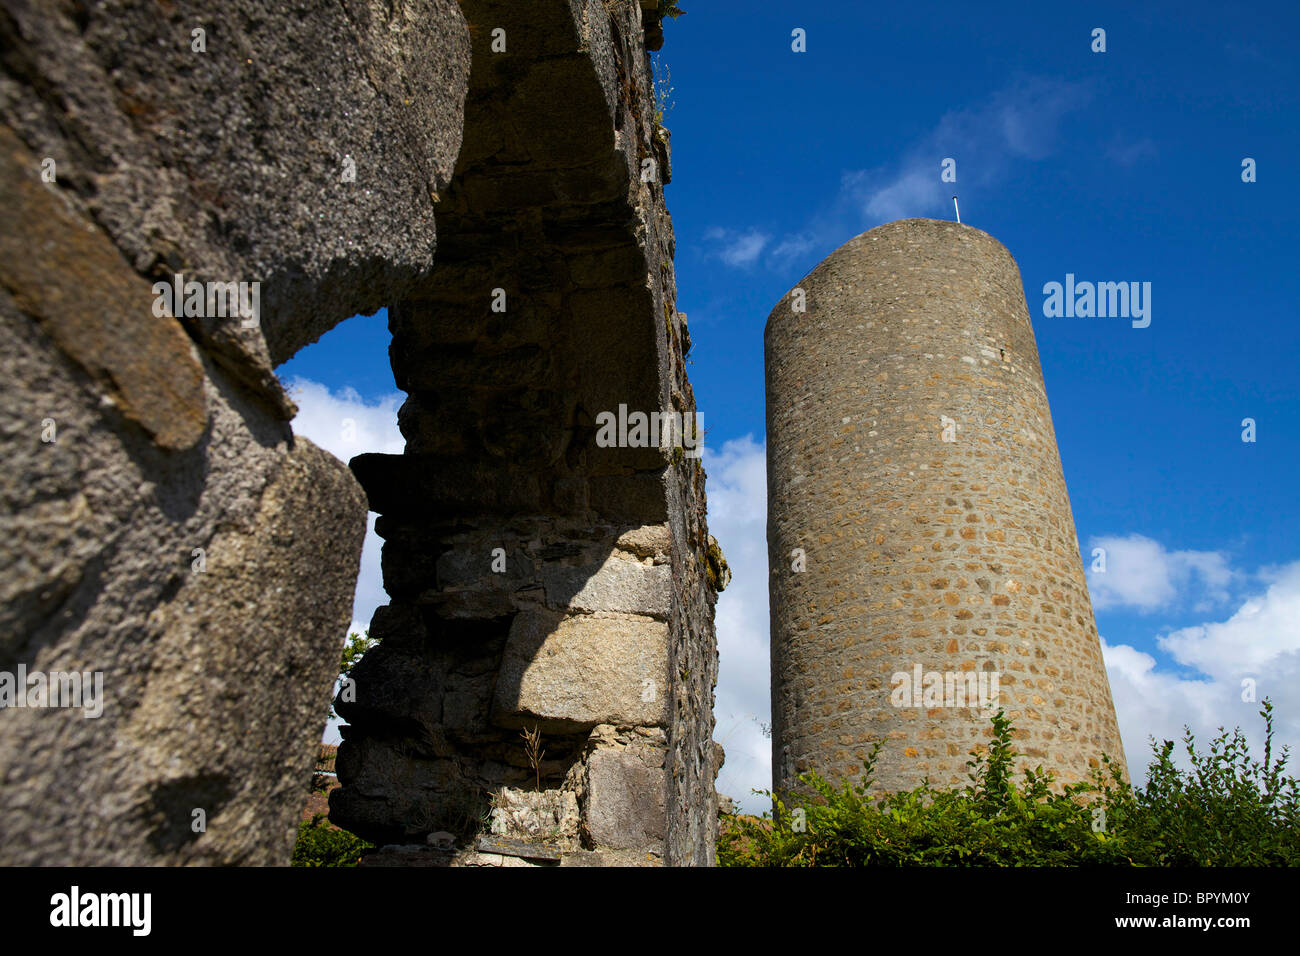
(919, 531)
(162, 524)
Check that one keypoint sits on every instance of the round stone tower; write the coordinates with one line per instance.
(924, 564)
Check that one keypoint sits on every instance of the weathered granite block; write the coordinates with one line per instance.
(571, 673)
(624, 799)
(176, 536)
(616, 585)
(548, 814)
(650, 541)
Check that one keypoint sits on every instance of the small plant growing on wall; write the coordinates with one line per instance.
(662, 90)
(533, 750)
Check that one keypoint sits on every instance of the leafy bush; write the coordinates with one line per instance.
(320, 844)
(1228, 810)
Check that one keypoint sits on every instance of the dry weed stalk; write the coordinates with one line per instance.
(532, 748)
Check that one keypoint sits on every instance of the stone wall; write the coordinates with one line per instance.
(912, 461)
(538, 580)
(163, 528)
(172, 534)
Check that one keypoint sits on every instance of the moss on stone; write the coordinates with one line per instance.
(715, 566)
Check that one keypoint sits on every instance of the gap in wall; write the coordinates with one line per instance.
(347, 404)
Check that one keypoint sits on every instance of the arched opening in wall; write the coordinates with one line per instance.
(348, 404)
(526, 563)
(528, 559)
(536, 572)
(237, 548)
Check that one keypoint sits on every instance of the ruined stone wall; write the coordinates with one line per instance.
(171, 533)
(538, 580)
(956, 552)
(161, 525)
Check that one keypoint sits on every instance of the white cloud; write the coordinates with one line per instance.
(1139, 573)
(1017, 123)
(909, 193)
(1263, 629)
(794, 246)
(345, 425)
(737, 249)
(737, 493)
(988, 142)
(1259, 642)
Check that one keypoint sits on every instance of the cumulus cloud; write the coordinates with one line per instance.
(345, 425)
(1254, 653)
(1140, 574)
(737, 249)
(737, 492)
(1264, 629)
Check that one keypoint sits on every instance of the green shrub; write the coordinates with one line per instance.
(1228, 810)
(320, 844)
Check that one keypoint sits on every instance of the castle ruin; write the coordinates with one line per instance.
(492, 172)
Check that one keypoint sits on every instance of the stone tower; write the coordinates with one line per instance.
(923, 552)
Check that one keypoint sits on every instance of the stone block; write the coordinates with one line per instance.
(625, 800)
(146, 364)
(616, 585)
(649, 857)
(549, 814)
(393, 691)
(474, 564)
(518, 849)
(572, 673)
(648, 541)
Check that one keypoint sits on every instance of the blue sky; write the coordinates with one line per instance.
(1117, 166)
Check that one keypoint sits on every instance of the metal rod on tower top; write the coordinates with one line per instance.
(955, 206)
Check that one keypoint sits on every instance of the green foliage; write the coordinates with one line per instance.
(1228, 810)
(320, 844)
(357, 644)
